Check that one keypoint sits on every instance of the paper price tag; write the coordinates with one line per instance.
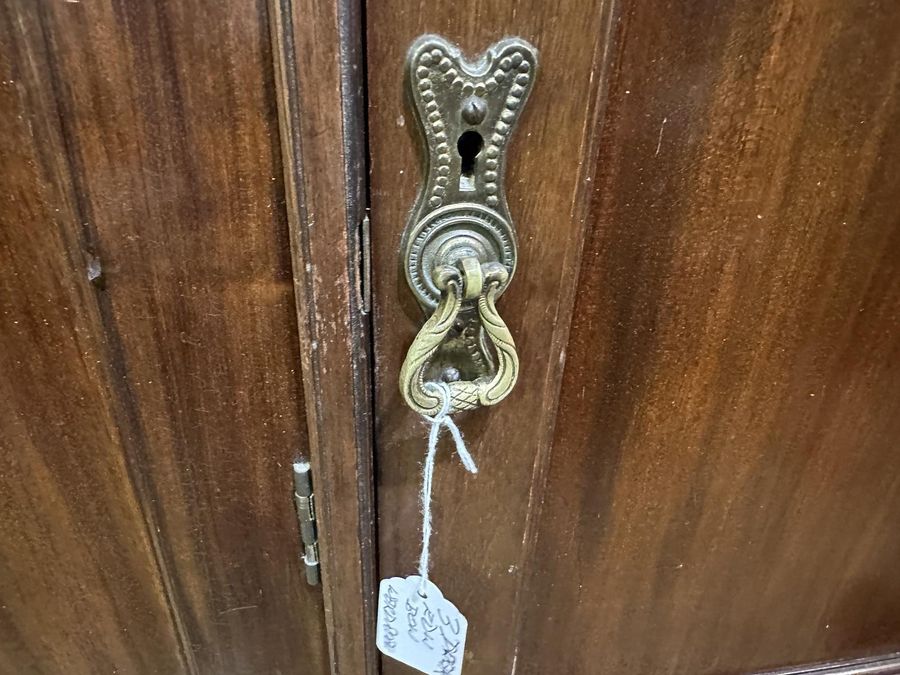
(426, 633)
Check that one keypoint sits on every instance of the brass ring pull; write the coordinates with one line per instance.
(468, 281)
(459, 248)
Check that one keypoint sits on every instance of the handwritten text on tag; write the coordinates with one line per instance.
(427, 633)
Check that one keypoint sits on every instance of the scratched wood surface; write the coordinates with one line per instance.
(170, 159)
(716, 487)
(724, 480)
(79, 583)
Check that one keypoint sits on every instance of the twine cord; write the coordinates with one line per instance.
(440, 421)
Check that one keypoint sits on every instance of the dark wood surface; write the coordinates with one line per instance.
(724, 481)
(318, 56)
(482, 533)
(170, 141)
(717, 485)
(80, 590)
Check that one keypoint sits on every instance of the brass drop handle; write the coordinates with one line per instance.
(470, 280)
(459, 245)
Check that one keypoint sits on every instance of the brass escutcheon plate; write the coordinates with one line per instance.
(467, 111)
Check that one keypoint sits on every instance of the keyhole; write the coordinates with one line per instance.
(468, 146)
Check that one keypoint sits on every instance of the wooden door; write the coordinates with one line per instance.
(699, 468)
(158, 375)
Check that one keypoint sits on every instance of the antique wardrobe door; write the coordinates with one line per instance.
(161, 365)
(698, 468)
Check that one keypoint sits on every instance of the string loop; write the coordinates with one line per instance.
(439, 421)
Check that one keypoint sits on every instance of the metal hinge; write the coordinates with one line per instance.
(364, 265)
(306, 514)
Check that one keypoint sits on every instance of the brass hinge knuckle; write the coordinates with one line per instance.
(305, 503)
(306, 508)
(364, 265)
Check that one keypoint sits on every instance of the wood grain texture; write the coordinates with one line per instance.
(482, 526)
(724, 483)
(318, 54)
(170, 127)
(718, 491)
(80, 588)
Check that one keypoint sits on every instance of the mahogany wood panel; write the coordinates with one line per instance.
(724, 484)
(318, 55)
(718, 491)
(482, 536)
(169, 118)
(80, 591)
